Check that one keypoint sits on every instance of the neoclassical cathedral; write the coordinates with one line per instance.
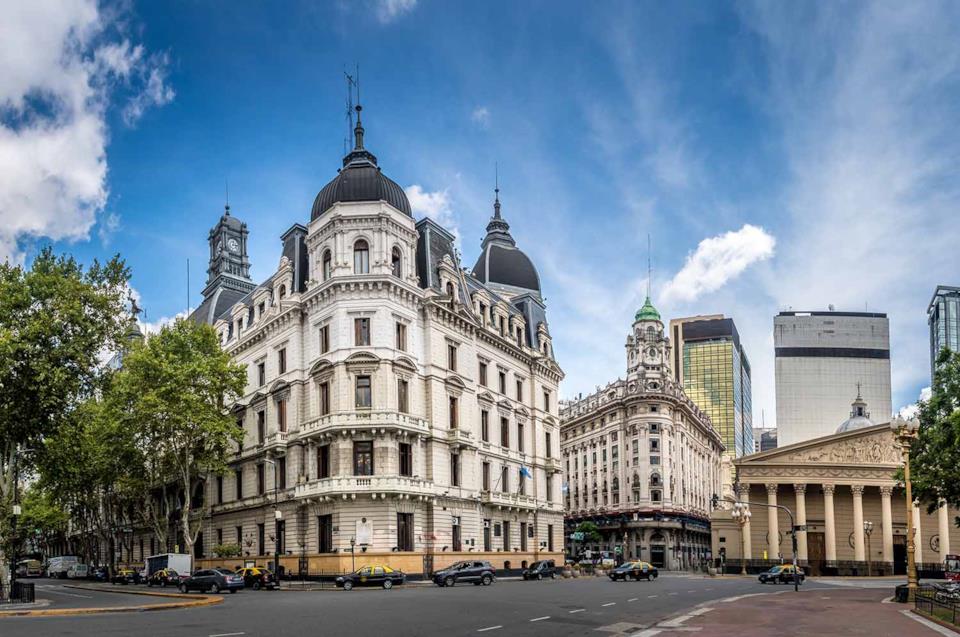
(397, 405)
(641, 459)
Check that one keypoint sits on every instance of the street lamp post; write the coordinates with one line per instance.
(867, 530)
(905, 432)
(741, 515)
(277, 517)
(353, 554)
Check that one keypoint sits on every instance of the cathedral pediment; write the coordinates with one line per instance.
(868, 446)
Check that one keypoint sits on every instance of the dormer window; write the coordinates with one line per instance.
(361, 257)
(396, 262)
(283, 292)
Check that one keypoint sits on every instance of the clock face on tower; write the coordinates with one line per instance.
(651, 355)
(233, 245)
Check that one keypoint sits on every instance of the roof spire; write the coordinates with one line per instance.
(649, 267)
(226, 196)
(496, 191)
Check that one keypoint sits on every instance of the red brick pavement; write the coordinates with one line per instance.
(807, 614)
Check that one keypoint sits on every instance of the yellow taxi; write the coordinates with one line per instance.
(256, 578)
(781, 574)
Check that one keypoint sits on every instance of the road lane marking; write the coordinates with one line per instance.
(648, 632)
(578, 610)
(692, 590)
(632, 599)
(56, 592)
(609, 604)
(929, 624)
(652, 596)
(540, 619)
(672, 593)
(483, 630)
(227, 634)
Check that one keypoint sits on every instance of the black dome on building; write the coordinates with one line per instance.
(360, 179)
(500, 261)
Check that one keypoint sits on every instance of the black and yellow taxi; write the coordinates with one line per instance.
(165, 577)
(125, 575)
(636, 571)
(257, 578)
(781, 574)
(373, 575)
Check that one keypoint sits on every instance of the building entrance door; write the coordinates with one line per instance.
(816, 551)
(899, 554)
(657, 555)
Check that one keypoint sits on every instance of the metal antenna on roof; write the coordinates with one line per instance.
(649, 266)
(496, 190)
(351, 82)
(226, 196)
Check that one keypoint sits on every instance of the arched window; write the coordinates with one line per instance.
(395, 262)
(655, 480)
(449, 288)
(327, 268)
(361, 257)
(283, 291)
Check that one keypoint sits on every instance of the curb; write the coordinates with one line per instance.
(190, 601)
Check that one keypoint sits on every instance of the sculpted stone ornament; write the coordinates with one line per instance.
(863, 451)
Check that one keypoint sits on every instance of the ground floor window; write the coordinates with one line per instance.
(457, 544)
(523, 536)
(550, 537)
(261, 540)
(486, 536)
(405, 531)
(325, 533)
(506, 536)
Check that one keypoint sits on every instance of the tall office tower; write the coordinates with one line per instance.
(710, 363)
(943, 316)
(823, 358)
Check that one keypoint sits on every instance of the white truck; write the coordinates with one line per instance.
(180, 562)
(58, 566)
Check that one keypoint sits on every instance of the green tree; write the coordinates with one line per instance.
(935, 454)
(171, 393)
(591, 532)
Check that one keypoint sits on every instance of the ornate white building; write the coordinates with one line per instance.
(641, 459)
(395, 400)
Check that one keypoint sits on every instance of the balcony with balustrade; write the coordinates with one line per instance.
(375, 487)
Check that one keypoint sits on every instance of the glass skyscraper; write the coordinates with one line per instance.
(943, 316)
(715, 372)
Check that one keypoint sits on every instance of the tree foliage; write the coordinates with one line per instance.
(170, 395)
(935, 454)
(591, 532)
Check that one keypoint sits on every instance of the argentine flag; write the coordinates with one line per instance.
(525, 472)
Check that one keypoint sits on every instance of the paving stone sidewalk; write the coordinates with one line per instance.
(804, 614)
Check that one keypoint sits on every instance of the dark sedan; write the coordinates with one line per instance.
(376, 575)
(125, 576)
(539, 570)
(476, 573)
(165, 577)
(213, 580)
(256, 578)
(634, 571)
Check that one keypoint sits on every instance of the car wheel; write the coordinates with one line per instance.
(553, 576)
(256, 586)
(449, 581)
(149, 584)
(348, 585)
(183, 588)
(215, 588)
(486, 580)
(163, 583)
(539, 576)
(387, 584)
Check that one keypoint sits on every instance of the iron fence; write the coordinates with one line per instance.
(938, 602)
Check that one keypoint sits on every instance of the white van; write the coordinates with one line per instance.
(78, 571)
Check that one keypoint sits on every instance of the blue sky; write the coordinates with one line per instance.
(778, 154)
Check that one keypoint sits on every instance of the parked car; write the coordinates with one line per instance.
(634, 571)
(213, 580)
(256, 578)
(475, 572)
(29, 568)
(98, 574)
(125, 576)
(376, 575)
(165, 577)
(539, 570)
(781, 574)
(78, 571)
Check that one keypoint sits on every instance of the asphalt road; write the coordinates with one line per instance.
(555, 608)
(62, 594)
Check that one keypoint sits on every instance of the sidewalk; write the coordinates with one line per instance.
(811, 612)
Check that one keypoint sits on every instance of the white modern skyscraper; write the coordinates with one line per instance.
(822, 360)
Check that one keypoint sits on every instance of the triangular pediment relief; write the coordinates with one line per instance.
(486, 397)
(455, 381)
(522, 411)
(867, 446)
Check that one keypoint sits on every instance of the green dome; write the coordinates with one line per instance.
(647, 312)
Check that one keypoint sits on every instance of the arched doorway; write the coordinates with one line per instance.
(658, 550)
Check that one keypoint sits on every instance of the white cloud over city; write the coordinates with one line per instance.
(62, 66)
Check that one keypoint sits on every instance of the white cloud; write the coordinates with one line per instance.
(481, 116)
(718, 260)
(60, 66)
(435, 205)
(911, 410)
(390, 10)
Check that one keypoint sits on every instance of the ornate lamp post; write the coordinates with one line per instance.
(867, 530)
(905, 432)
(741, 515)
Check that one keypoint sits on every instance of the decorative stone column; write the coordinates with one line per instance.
(859, 554)
(830, 535)
(943, 518)
(744, 492)
(801, 494)
(886, 524)
(917, 535)
(773, 526)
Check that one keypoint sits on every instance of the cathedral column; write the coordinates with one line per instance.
(917, 535)
(858, 544)
(744, 492)
(773, 523)
(887, 524)
(830, 536)
(943, 518)
(801, 494)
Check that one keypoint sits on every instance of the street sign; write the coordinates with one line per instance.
(577, 536)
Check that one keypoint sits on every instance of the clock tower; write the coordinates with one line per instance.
(648, 349)
(229, 265)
